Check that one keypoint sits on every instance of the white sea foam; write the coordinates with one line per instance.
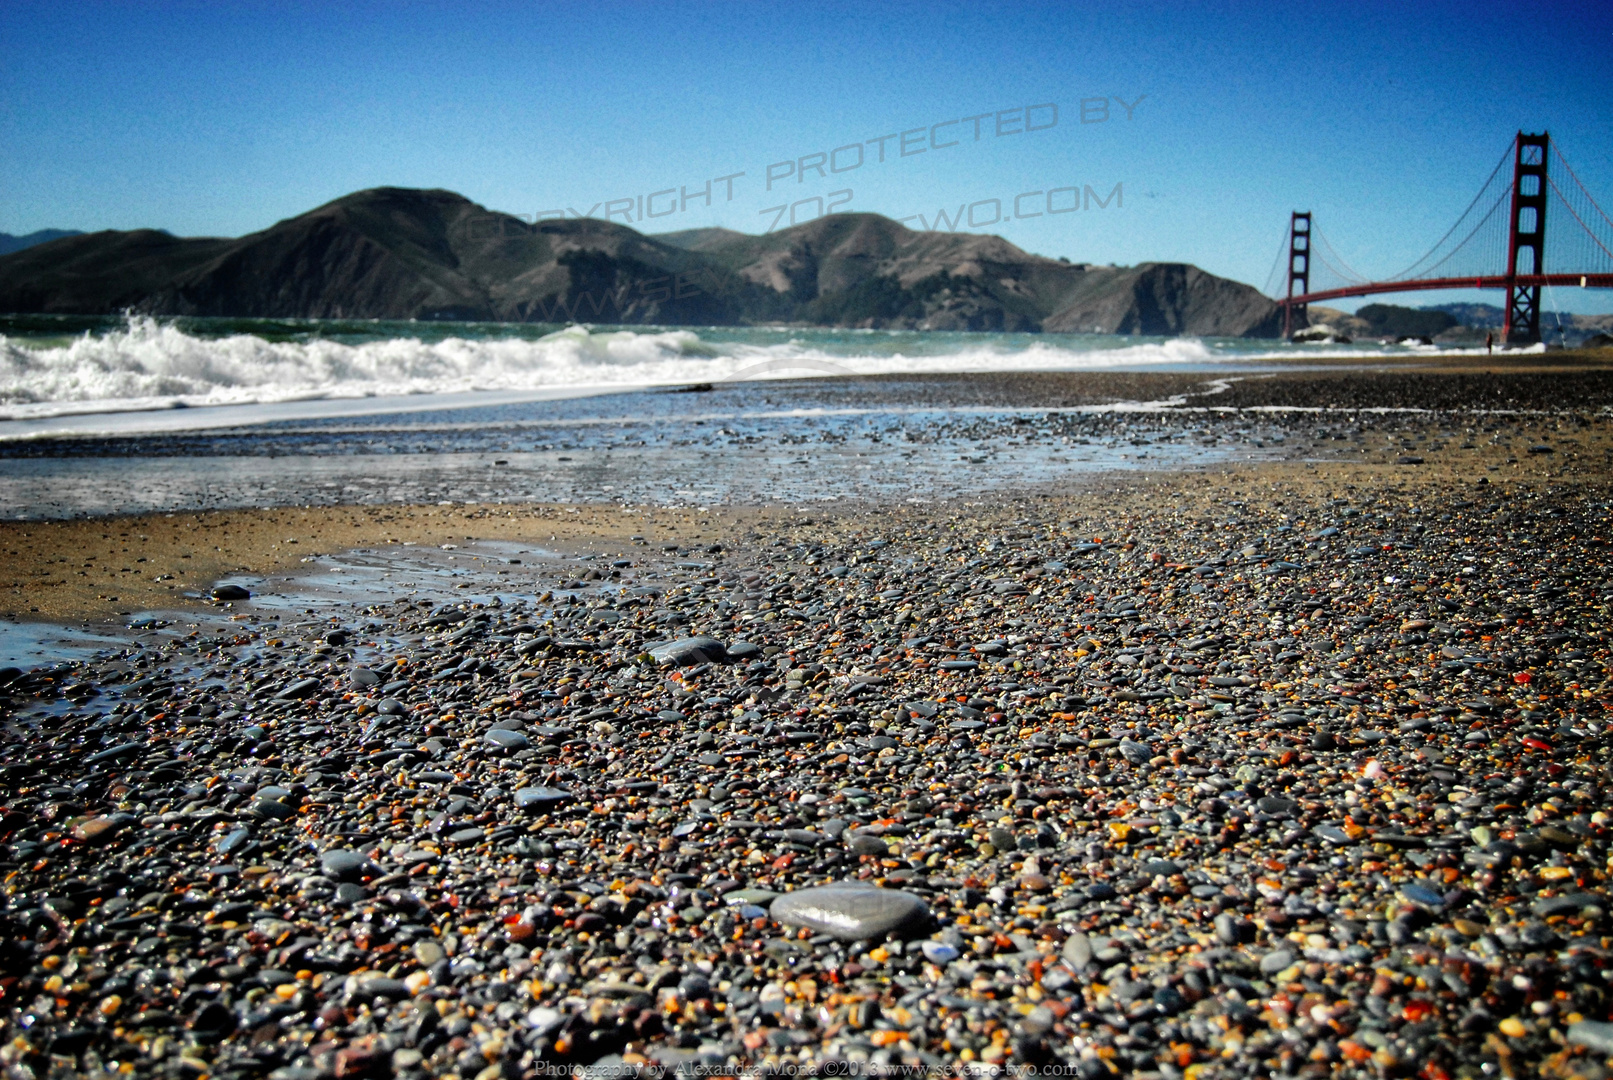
(154, 365)
(150, 365)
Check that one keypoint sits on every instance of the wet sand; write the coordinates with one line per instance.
(1551, 381)
(99, 569)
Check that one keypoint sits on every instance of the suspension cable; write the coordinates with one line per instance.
(1483, 221)
(1271, 278)
(1482, 189)
(1580, 185)
(1570, 208)
(1349, 271)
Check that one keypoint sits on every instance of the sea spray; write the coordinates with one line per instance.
(145, 363)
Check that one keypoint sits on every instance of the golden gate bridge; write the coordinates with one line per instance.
(1499, 242)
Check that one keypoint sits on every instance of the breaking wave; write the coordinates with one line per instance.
(151, 364)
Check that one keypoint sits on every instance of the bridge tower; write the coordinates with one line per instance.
(1299, 267)
(1526, 240)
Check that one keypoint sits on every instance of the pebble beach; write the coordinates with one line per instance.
(1297, 766)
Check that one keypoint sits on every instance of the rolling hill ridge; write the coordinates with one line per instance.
(400, 253)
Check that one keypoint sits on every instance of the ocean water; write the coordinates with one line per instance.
(113, 416)
(57, 366)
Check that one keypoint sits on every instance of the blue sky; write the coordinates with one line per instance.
(1383, 119)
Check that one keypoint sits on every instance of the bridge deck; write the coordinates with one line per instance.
(1493, 281)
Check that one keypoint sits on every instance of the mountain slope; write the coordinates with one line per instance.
(98, 273)
(10, 242)
(386, 257)
(398, 253)
(1169, 299)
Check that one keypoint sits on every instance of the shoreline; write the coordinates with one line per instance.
(99, 568)
(1141, 380)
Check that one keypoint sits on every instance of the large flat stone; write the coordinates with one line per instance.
(538, 799)
(340, 864)
(686, 652)
(852, 912)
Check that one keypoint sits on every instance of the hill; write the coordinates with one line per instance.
(398, 253)
(10, 242)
